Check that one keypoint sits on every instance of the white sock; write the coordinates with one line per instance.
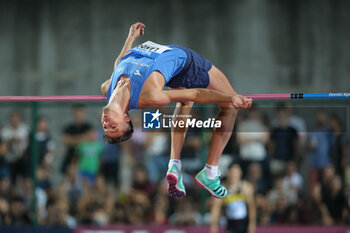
(177, 162)
(212, 171)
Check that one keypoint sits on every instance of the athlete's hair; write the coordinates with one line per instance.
(127, 134)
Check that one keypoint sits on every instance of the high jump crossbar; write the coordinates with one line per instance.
(253, 96)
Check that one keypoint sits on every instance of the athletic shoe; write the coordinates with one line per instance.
(175, 186)
(212, 185)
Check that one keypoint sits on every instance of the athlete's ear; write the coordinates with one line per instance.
(126, 117)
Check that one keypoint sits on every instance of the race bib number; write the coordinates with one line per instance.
(150, 49)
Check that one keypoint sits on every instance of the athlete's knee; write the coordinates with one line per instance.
(224, 133)
(187, 104)
(228, 108)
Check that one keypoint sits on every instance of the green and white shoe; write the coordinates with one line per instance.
(176, 187)
(212, 185)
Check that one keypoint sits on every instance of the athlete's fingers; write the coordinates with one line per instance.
(247, 102)
(141, 25)
(250, 103)
(137, 25)
(244, 101)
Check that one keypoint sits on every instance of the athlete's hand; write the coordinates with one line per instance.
(241, 102)
(136, 30)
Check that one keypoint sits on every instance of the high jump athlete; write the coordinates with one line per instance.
(137, 81)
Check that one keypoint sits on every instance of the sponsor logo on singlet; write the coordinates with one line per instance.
(150, 49)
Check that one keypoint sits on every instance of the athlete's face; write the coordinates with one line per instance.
(114, 123)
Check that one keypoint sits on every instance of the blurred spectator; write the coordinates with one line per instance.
(292, 180)
(281, 201)
(161, 204)
(261, 186)
(73, 134)
(16, 136)
(185, 214)
(96, 205)
(256, 178)
(239, 204)
(138, 208)
(319, 142)
(26, 192)
(19, 216)
(284, 142)
(45, 145)
(294, 121)
(142, 183)
(138, 200)
(44, 179)
(110, 159)
(157, 156)
(73, 188)
(119, 214)
(57, 214)
(89, 152)
(4, 170)
(252, 136)
(263, 210)
(279, 192)
(328, 173)
(5, 187)
(339, 150)
(331, 202)
(346, 148)
(4, 212)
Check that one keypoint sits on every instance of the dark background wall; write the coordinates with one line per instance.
(68, 47)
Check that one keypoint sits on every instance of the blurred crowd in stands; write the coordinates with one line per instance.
(300, 173)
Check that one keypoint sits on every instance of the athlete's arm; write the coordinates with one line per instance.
(215, 215)
(135, 31)
(198, 95)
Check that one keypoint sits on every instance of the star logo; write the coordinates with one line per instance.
(151, 120)
(156, 115)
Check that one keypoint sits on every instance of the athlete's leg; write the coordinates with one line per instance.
(178, 134)
(227, 115)
(174, 176)
(209, 177)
